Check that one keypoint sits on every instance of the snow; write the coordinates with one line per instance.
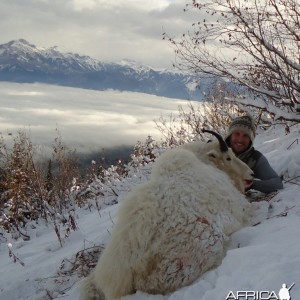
(261, 256)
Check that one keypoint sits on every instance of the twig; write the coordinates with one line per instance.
(58, 234)
(283, 213)
(98, 207)
(111, 219)
(26, 237)
(290, 180)
(296, 140)
(15, 258)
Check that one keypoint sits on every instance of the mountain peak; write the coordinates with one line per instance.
(20, 43)
(23, 41)
(139, 67)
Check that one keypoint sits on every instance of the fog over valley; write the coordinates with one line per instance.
(87, 120)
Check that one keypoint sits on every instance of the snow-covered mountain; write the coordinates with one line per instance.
(21, 61)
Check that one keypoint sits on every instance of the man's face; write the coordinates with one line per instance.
(239, 141)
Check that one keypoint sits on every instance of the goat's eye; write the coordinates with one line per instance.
(228, 158)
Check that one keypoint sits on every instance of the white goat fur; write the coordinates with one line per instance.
(172, 229)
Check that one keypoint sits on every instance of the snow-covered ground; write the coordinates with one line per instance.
(261, 257)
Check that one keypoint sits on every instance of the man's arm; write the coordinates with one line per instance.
(266, 179)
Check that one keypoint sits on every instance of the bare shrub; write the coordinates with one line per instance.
(254, 44)
(213, 113)
(29, 192)
(70, 272)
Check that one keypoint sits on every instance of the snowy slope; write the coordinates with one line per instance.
(260, 257)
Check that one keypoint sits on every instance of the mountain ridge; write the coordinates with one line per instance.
(23, 62)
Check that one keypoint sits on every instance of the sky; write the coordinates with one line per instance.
(261, 257)
(87, 120)
(106, 30)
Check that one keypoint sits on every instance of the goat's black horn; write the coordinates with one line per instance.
(223, 145)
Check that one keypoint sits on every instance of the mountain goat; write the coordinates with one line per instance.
(172, 229)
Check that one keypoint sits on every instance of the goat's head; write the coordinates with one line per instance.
(224, 159)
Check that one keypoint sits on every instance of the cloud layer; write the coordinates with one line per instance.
(87, 120)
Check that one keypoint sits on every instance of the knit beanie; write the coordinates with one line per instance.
(243, 123)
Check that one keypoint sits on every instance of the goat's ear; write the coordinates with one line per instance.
(212, 154)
